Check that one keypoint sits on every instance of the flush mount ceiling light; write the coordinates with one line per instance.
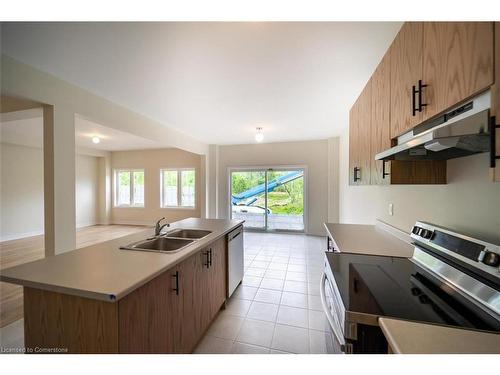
(259, 136)
(96, 140)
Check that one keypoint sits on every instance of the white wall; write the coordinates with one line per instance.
(312, 154)
(21, 196)
(21, 191)
(152, 161)
(469, 203)
(87, 187)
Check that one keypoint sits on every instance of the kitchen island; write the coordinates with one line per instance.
(102, 299)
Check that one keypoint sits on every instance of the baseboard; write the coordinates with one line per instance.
(133, 222)
(87, 224)
(18, 236)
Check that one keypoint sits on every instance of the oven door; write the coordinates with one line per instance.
(334, 309)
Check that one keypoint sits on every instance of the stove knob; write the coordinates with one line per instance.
(415, 230)
(491, 259)
(416, 291)
(426, 233)
(423, 299)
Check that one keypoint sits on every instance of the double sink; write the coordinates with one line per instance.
(170, 242)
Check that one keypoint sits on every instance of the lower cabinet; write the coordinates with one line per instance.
(172, 312)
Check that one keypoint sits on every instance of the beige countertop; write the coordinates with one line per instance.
(406, 337)
(367, 239)
(105, 272)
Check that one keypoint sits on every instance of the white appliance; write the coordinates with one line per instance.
(235, 259)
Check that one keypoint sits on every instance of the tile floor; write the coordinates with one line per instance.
(276, 309)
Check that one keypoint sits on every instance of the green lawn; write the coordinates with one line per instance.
(281, 203)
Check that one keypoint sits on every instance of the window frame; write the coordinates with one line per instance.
(131, 171)
(179, 188)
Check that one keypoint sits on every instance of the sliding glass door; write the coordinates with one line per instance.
(268, 199)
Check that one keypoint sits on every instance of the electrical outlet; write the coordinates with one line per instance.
(391, 209)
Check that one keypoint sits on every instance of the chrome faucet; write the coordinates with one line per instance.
(159, 227)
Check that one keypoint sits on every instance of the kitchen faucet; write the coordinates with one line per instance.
(159, 227)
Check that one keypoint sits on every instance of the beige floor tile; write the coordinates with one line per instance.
(277, 266)
(242, 348)
(245, 292)
(313, 289)
(293, 316)
(295, 286)
(296, 276)
(237, 307)
(258, 272)
(256, 332)
(251, 281)
(318, 321)
(275, 284)
(268, 296)
(294, 299)
(259, 264)
(320, 342)
(314, 303)
(275, 274)
(214, 345)
(263, 311)
(226, 326)
(291, 339)
(297, 267)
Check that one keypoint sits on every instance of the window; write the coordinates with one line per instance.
(129, 188)
(178, 188)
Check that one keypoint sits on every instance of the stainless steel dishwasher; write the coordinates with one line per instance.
(235, 259)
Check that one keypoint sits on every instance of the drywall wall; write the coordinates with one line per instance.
(21, 186)
(469, 203)
(87, 187)
(311, 154)
(152, 161)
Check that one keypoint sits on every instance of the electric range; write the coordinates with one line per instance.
(451, 279)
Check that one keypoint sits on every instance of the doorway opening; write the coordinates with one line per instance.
(270, 199)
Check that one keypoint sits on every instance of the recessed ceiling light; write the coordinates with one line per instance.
(259, 136)
(96, 140)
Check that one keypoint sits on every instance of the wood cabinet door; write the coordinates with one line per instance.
(458, 63)
(406, 70)
(218, 275)
(353, 143)
(186, 306)
(147, 317)
(364, 134)
(380, 125)
(495, 101)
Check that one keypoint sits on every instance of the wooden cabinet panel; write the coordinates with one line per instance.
(77, 324)
(457, 63)
(406, 70)
(353, 143)
(218, 275)
(495, 104)
(380, 120)
(146, 317)
(359, 139)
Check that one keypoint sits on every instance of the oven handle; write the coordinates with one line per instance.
(331, 320)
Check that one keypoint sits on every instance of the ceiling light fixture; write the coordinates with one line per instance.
(259, 136)
(96, 140)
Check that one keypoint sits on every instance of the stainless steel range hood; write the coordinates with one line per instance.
(460, 132)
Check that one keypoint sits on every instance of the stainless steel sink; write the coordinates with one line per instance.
(160, 244)
(195, 234)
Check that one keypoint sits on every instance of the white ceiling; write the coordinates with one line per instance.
(26, 128)
(215, 81)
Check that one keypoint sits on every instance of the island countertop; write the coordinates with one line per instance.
(104, 271)
(367, 239)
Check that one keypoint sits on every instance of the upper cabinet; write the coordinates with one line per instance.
(406, 71)
(429, 68)
(380, 120)
(359, 139)
(457, 63)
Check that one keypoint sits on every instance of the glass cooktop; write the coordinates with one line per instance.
(397, 287)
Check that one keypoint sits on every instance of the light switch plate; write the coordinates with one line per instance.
(391, 209)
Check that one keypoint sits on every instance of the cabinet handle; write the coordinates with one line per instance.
(356, 177)
(413, 100)
(176, 277)
(384, 173)
(210, 258)
(493, 150)
(207, 254)
(421, 105)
